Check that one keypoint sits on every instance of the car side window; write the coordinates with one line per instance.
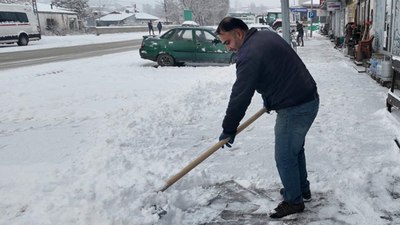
(187, 35)
(169, 34)
(209, 36)
(182, 35)
(204, 36)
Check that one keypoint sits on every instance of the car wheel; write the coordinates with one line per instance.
(165, 60)
(23, 40)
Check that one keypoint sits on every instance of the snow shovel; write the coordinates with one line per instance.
(210, 151)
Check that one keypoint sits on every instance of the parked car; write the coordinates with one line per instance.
(18, 24)
(262, 27)
(185, 44)
(277, 25)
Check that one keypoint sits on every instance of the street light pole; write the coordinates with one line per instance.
(285, 20)
(35, 11)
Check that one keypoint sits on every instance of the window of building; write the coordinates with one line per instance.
(50, 24)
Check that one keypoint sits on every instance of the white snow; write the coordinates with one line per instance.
(116, 16)
(42, 7)
(71, 40)
(145, 16)
(91, 141)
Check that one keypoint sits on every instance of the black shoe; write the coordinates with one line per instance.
(285, 208)
(306, 195)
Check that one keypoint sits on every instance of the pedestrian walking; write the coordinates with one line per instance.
(159, 27)
(266, 63)
(150, 25)
(300, 33)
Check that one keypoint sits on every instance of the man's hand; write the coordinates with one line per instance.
(231, 137)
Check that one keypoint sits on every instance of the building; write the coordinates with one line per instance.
(54, 20)
(396, 29)
(126, 18)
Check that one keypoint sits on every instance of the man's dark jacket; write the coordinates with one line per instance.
(300, 29)
(266, 63)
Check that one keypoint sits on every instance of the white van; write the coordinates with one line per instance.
(18, 24)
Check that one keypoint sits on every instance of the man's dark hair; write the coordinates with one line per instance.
(229, 23)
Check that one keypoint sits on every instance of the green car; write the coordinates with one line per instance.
(185, 44)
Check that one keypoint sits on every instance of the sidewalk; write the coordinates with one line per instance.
(353, 161)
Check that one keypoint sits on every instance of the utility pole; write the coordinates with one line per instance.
(285, 20)
(311, 18)
(35, 11)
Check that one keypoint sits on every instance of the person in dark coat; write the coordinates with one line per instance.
(150, 25)
(300, 33)
(266, 63)
(159, 27)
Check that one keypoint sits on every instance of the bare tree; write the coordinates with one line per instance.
(174, 10)
(78, 6)
(205, 12)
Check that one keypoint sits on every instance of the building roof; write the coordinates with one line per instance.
(119, 16)
(145, 16)
(116, 16)
(46, 8)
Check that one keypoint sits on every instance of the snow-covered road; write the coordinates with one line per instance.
(89, 141)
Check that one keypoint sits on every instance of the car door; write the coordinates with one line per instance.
(181, 45)
(207, 50)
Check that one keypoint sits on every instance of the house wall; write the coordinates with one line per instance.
(130, 21)
(396, 29)
(64, 21)
(337, 19)
(379, 24)
(350, 12)
(371, 16)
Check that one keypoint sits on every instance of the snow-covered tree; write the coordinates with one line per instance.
(173, 10)
(205, 12)
(217, 12)
(78, 6)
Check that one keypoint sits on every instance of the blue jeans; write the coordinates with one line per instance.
(291, 127)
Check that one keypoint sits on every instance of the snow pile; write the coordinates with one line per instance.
(71, 40)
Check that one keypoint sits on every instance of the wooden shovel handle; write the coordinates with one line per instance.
(210, 151)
